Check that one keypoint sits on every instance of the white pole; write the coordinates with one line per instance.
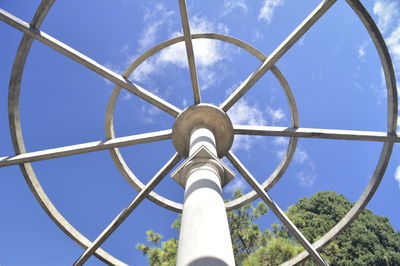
(204, 234)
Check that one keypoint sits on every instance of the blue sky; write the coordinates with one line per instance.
(333, 70)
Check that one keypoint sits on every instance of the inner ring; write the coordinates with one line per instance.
(230, 205)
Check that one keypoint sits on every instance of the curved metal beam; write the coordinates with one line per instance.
(230, 205)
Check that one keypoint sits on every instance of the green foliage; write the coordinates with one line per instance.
(276, 251)
(246, 235)
(370, 240)
(159, 253)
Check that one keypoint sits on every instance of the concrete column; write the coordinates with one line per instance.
(204, 236)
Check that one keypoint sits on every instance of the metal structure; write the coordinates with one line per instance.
(202, 133)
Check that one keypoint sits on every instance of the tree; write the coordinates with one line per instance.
(159, 253)
(246, 235)
(370, 240)
(276, 251)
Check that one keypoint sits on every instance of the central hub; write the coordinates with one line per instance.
(202, 116)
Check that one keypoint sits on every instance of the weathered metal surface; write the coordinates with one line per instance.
(202, 116)
(316, 133)
(31, 31)
(202, 156)
(85, 148)
(189, 51)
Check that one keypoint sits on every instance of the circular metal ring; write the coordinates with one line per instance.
(230, 205)
(30, 177)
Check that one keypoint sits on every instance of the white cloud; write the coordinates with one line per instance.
(281, 141)
(154, 18)
(307, 175)
(280, 154)
(243, 142)
(208, 53)
(257, 35)
(235, 184)
(114, 68)
(126, 95)
(124, 48)
(361, 51)
(144, 70)
(300, 43)
(243, 113)
(276, 115)
(301, 156)
(149, 113)
(268, 9)
(387, 12)
(185, 103)
(232, 88)
(397, 175)
(393, 43)
(175, 54)
(230, 5)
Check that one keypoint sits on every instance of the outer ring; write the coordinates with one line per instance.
(230, 205)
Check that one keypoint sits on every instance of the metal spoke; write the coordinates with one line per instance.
(128, 209)
(85, 148)
(189, 51)
(277, 54)
(88, 62)
(275, 208)
(316, 133)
